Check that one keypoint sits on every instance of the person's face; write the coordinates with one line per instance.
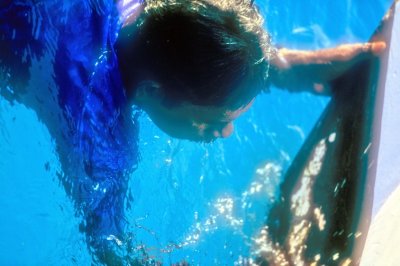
(191, 122)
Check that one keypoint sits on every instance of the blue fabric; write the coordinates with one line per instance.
(101, 135)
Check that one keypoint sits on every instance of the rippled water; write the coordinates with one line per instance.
(200, 203)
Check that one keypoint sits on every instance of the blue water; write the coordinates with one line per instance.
(195, 202)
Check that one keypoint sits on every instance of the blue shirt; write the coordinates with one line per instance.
(98, 146)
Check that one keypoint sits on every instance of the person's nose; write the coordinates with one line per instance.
(225, 131)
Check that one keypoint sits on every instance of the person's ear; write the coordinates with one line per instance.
(148, 89)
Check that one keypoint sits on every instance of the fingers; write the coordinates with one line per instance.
(377, 47)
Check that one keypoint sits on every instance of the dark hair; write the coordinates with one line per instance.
(198, 51)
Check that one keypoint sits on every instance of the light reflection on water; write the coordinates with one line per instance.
(239, 216)
(200, 203)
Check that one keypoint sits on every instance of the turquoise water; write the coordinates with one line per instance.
(201, 203)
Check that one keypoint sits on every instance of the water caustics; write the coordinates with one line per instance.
(178, 201)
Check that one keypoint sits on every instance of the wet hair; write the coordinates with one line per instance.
(206, 52)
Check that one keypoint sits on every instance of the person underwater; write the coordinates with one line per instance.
(193, 66)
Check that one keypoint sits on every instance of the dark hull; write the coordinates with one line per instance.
(326, 198)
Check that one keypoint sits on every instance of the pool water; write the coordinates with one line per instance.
(200, 203)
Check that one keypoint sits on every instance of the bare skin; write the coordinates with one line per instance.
(294, 70)
(297, 70)
(188, 121)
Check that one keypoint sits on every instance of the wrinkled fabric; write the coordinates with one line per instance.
(98, 146)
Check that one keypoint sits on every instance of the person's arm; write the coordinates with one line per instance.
(297, 70)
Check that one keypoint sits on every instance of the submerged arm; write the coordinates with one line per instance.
(297, 70)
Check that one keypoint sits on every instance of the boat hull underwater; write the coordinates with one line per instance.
(324, 211)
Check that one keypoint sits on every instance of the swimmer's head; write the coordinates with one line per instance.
(205, 58)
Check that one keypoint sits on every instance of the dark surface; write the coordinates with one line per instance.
(343, 189)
